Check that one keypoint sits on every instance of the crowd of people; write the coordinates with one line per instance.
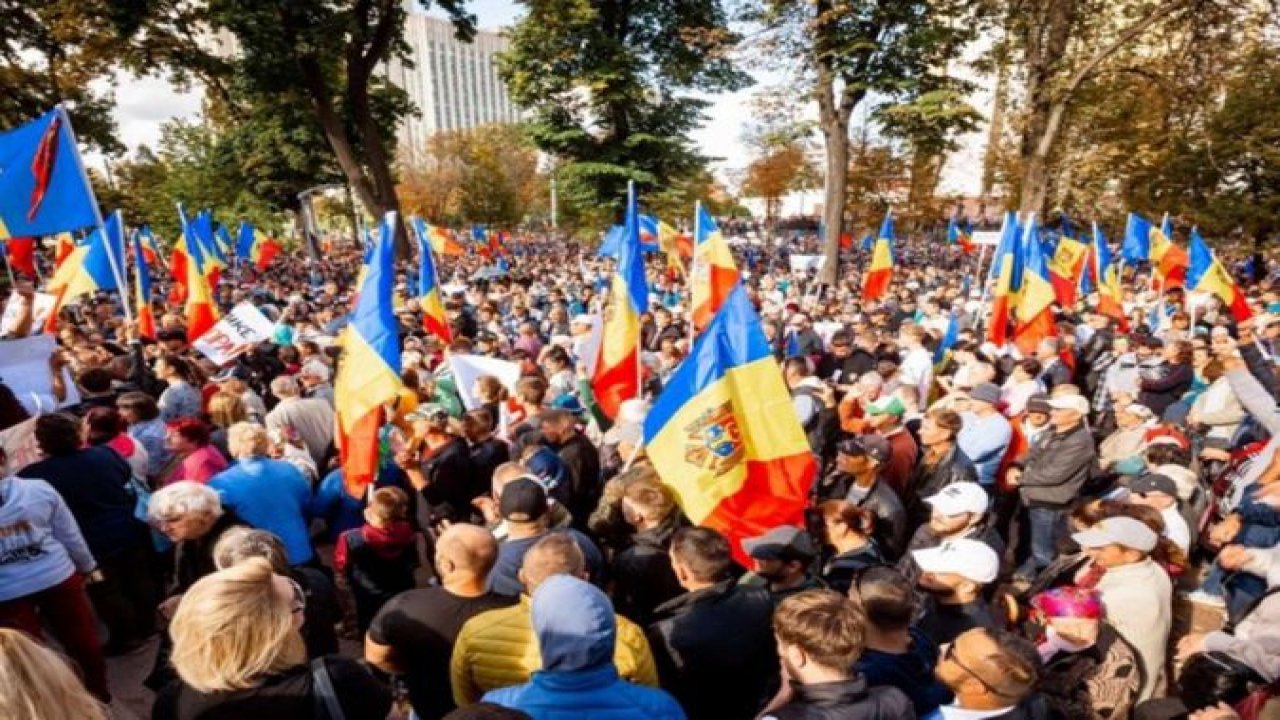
(1089, 530)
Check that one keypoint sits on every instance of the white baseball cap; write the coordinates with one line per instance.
(961, 497)
(1121, 530)
(1070, 402)
(969, 559)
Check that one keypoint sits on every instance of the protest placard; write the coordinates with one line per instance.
(241, 328)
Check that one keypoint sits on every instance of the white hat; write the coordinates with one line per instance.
(584, 319)
(1070, 402)
(961, 497)
(317, 370)
(1119, 530)
(967, 558)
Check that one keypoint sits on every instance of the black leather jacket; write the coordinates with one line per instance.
(926, 481)
(715, 651)
(847, 700)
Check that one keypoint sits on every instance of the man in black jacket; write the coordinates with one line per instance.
(845, 362)
(942, 464)
(560, 432)
(1054, 469)
(713, 645)
(820, 636)
(856, 480)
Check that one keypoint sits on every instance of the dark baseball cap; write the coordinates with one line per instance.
(523, 500)
(1038, 403)
(873, 446)
(785, 542)
(1153, 482)
(235, 372)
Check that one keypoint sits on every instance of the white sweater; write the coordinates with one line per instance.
(1138, 601)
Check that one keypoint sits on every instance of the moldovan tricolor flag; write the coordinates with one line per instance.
(617, 375)
(724, 436)
(434, 320)
(1006, 271)
(369, 368)
(1107, 270)
(142, 289)
(1206, 274)
(90, 267)
(202, 313)
(1167, 259)
(1033, 312)
(1065, 269)
(714, 272)
(960, 235)
(880, 272)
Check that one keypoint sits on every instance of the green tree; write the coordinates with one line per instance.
(306, 53)
(841, 52)
(609, 84)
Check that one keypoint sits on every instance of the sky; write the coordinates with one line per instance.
(144, 104)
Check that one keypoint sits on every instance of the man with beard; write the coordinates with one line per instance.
(954, 575)
(781, 559)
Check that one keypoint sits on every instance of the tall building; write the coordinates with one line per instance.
(455, 85)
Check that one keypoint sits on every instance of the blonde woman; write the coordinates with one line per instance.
(238, 654)
(36, 684)
(225, 410)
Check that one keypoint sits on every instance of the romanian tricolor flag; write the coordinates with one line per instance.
(1033, 312)
(442, 242)
(715, 274)
(880, 272)
(142, 288)
(1206, 274)
(1144, 241)
(369, 368)
(255, 246)
(1006, 271)
(434, 320)
(212, 260)
(724, 436)
(201, 311)
(150, 249)
(617, 375)
(961, 235)
(1066, 267)
(63, 245)
(1107, 270)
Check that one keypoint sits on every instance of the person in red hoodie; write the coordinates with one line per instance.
(379, 557)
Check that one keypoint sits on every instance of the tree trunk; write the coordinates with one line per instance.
(836, 134)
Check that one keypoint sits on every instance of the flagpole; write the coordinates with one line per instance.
(693, 270)
(633, 204)
(97, 215)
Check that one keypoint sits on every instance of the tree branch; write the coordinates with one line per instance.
(1132, 32)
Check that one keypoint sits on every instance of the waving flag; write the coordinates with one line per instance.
(1207, 274)
(95, 265)
(150, 249)
(724, 436)
(43, 186)
(947, 342)
(1033, 313)
(434, 320)
(1107, 270)
(441, 240)
(201, 312)
(880, 271)
(256, 246)
(1167, 259)
(617, 376)
(1066, 267)
(650, 233)
(714, 272)
(1006, 271)
(369, 368)
(21, 252)
(1137, 239)
(63, 245)
(958, 235)
(212, 261)
(142, 289)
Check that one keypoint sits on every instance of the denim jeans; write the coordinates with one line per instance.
(1043, 528)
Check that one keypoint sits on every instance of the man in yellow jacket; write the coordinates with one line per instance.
(498, 648)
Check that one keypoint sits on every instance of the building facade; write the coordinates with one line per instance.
(455, 85)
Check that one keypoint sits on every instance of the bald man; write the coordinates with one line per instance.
(414, 633)
(499, 649)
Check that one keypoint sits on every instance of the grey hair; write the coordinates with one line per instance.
(285, 386)
(183, 498)
(241, 543)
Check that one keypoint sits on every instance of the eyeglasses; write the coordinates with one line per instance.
(949, 654)
(299, 603)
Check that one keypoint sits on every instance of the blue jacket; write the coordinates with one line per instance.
(341, 512)
(576, 631)
(270, 495)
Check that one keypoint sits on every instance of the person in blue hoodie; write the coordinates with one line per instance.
(576, 630)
